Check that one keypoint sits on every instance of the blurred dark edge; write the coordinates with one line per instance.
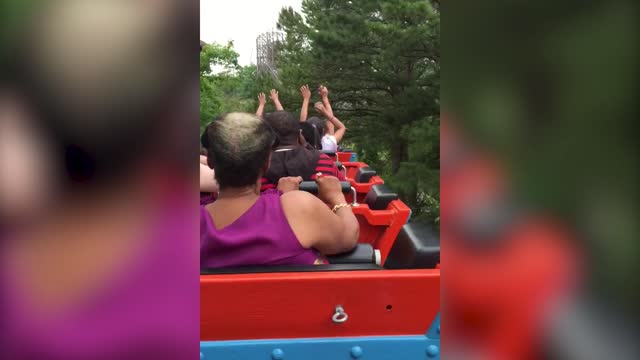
(550, 89)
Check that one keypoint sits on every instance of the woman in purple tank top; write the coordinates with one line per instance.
(279, 227)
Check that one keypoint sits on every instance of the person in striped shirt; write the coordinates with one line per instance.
(290, 157)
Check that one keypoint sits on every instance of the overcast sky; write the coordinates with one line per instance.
(241, 21)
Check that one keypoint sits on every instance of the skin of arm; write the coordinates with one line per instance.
(208, 182)
(316, 226)
(339, 130)
(324, 95)
(262, 100)
(335, 127)
(306, 97)
(290, 183)
(276, 101)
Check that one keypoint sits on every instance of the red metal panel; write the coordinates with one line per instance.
(343, 156)
(352, 168)
(299, 305)
(381, 227)
(363, 188)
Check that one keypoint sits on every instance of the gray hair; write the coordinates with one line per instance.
(239, 145)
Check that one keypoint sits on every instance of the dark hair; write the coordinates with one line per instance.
(238, 149)
(285, 125)
(204, 139)
(311, 135)
(320, 124)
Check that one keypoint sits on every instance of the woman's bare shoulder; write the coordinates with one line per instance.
(301, 199)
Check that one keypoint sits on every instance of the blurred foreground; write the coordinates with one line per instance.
(98, 116)
(539, 180)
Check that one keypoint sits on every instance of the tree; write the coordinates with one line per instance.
(380, 58)
(218, 73)
(225, 86)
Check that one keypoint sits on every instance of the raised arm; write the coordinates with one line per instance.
(262, 100)
(276, 101)
(306, 97)
(335, 127)
(339, 128)
(324, 95)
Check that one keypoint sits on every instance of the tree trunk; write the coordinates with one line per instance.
(399, 153)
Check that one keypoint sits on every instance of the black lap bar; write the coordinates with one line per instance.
(362, 254)
(312, 186)
(329, 153)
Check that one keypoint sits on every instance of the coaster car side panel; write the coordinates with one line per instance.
(301, 305)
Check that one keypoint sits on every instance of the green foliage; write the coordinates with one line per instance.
(225, 86)
(380, 60)
(221, 82)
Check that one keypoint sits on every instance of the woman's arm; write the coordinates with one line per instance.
(316, 225)
(324, 95)
(262, 100)
(306, 97)
(335, 127)
(339, 130)
(276, 101)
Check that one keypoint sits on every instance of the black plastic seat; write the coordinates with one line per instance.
(379, 197)
(364, 174)
(416, 247)
(312, 186)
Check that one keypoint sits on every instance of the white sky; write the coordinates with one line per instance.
(241, 21)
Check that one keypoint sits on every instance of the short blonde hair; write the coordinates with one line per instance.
(239, 145)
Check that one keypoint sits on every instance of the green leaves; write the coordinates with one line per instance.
(224, 84)
(380, 60)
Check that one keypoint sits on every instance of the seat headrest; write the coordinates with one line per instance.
(416, 247)
(379, 197)
(364, 174)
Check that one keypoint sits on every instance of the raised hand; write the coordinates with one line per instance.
(306, 96)
(273, 95)
(323, 91)
(306, 93)
(262, 99)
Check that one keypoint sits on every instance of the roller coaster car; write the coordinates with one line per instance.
(379, 301)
